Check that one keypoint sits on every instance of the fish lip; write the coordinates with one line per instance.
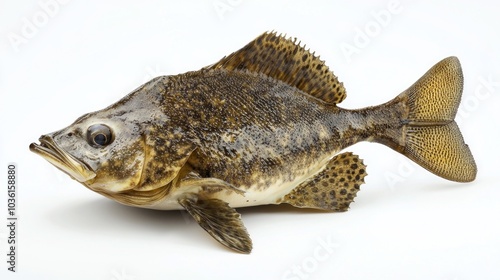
(74, 167)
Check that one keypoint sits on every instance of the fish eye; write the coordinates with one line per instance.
(99, 135)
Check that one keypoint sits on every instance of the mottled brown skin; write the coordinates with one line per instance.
(279, 131)
(261, 126)
(238, 143)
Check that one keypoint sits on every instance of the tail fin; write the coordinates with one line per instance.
(432, 137)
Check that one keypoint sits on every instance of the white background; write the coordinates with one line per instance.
(61, 60)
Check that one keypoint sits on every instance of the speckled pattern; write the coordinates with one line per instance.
(433, 138)
(332, 189)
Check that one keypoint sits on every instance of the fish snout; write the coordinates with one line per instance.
(53, 153)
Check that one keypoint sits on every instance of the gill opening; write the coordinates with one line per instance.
(145, 161)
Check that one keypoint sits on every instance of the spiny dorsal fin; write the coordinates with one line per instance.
(285, 60)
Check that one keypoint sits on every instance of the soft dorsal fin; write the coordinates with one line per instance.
(285, 60)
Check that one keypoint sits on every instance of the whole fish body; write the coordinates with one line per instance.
(261, 126)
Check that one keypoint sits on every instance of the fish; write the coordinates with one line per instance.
(261, 126)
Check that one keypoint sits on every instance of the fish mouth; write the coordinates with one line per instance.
(72, 166)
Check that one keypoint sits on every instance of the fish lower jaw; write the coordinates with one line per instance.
(64, 162)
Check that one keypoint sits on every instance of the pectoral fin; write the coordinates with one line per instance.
(209, 185)
(221, 221)
(334, 188)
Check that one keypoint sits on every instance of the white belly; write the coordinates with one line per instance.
(253, 196)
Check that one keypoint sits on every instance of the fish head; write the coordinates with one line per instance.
(131, 151)
(104, 153)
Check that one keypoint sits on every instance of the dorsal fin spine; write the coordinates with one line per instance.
(286, 60)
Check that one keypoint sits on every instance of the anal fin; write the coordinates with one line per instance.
(334, 188)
